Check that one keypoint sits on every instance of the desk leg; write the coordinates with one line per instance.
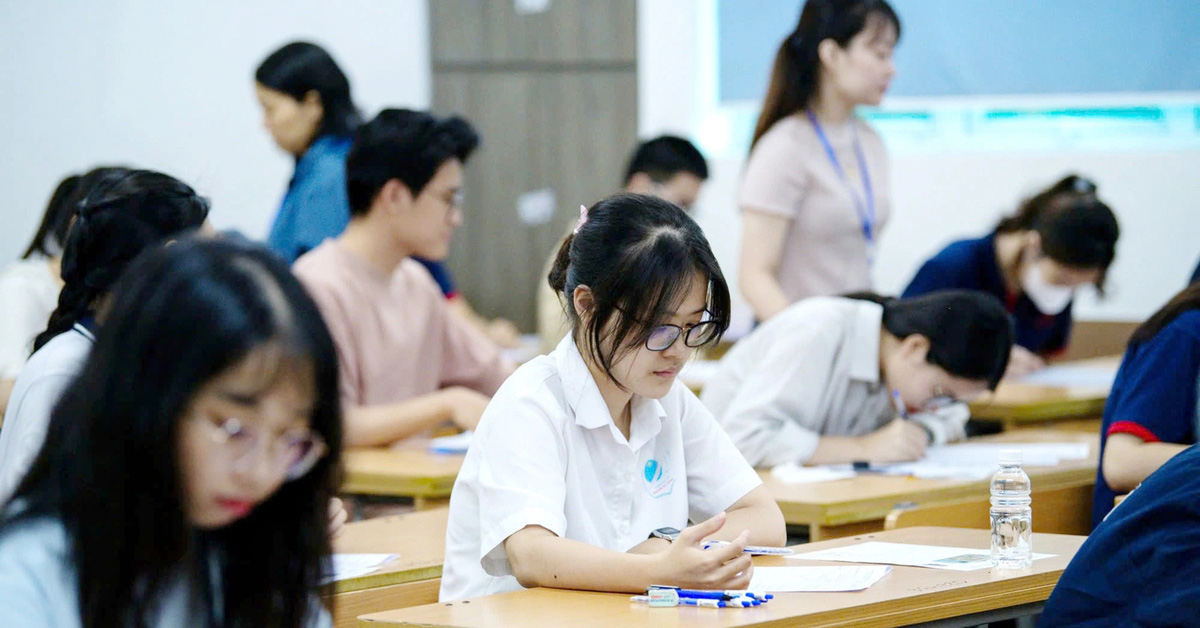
(818, 532)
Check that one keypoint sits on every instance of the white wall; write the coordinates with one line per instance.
(168, 85)
(937, 197)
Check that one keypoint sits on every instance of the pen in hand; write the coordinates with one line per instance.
(898, 403)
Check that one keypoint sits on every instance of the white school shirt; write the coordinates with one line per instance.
(810, 371)
(34, 396)
(29, 293)
(547, 453)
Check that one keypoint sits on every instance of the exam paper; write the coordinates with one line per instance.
(932, 556)
(454, 444)
(1073, 376)
(815, 579)
(793, 473)
(346, 566)
(974, 461)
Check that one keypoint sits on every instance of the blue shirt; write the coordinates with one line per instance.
(441, 275)
(316, 206)
(1155, 396)
(972, 265)
(1139, 567)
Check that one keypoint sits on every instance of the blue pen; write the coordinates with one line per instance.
(901, 411)
(685, 601)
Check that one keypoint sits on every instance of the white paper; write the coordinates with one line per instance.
(346, 566)
(973, 461)
(536, 207)
(697, 373)
(454, 444)
(528, 7)
(815, 579)
(1073, 376)
(793, 473)
(931, 556)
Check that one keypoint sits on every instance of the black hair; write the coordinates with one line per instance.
(406, 145)
(795, 72)
(638, 255)
(1076, 228)
(52, 232)
(302, 67)
(1188, 299)
(121, 212)
(110, 466)
(664, 157)
(970, 333)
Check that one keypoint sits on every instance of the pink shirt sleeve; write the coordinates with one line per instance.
(337, 321)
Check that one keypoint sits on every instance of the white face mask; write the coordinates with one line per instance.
(1049, 299)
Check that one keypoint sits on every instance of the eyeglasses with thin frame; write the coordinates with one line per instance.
(695, 336)
(295, 450)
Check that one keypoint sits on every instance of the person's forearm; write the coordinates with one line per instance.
(545, 560)
(764, 522)
(763, 293)
(371, 426)
(837, 450)
(1127, 464)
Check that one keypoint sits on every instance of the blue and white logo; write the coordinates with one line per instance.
(658, 482)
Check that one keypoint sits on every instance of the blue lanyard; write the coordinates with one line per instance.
(866, 211)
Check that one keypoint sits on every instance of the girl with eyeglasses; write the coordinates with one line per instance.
(118, 213)
(860, 378)
(186, 471)
(590, 462)
(1034, 261)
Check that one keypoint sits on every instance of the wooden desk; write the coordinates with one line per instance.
(906, 596)
(1062, 495)
(412, 579)
(409, 470)
(1017, 405)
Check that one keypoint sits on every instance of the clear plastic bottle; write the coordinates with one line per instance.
(1012, 517)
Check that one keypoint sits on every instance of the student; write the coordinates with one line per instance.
(407, 364)
(589, 461)
(186, 472)
(122, 212)
(669, 167)
(1154, 407)
(29, 287)
(817, 383)
(1139, 567)
(307, 108)
(814, 195)
(1062, 238)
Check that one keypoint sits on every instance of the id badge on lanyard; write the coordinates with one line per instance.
(864, 207)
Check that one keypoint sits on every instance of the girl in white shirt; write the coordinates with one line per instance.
(185, 475)
(587, 458)
(827, 380)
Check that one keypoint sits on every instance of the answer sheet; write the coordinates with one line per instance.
(931, 556)
(815, 579)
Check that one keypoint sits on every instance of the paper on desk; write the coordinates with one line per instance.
(793, 473)
(346, 566)
(1073, 376)
(932, 556)
(815, 579)
(454, 444)
(972, 461)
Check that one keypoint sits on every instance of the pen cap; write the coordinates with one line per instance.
(1010, 457)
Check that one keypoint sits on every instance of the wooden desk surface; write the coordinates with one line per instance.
(413, 578)
(860, 504)
(1017, 404)
(908, 595)
(408, 470)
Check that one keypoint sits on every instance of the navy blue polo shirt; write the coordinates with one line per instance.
(1139, 567)
(972, 265)
(440, 274)
(1154, 396)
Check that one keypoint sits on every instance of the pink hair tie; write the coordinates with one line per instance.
(582, 218)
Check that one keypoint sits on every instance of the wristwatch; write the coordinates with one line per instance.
(667, 534)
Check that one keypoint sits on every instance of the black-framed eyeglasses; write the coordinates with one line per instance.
(663, 336)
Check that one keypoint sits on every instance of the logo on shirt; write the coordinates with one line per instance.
(658, 482)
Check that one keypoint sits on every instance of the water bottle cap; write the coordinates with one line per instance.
(1009, 457)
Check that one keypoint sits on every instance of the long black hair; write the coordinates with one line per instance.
(109, 469)
(970, 333)
(1076, 228)
(797, 66)
(1188, 299)
(302, 67)
(120, 213)
(638, 254)
(52, 232)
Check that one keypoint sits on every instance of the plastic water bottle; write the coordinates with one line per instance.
(1012, 517)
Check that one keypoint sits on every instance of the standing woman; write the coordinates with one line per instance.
(306, 106)
(814, 195)
(186, 472)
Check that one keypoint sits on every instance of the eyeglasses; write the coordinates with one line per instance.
(663, 336)
(295, 450)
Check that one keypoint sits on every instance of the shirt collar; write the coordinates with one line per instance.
(587, 404)
(864, 357)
